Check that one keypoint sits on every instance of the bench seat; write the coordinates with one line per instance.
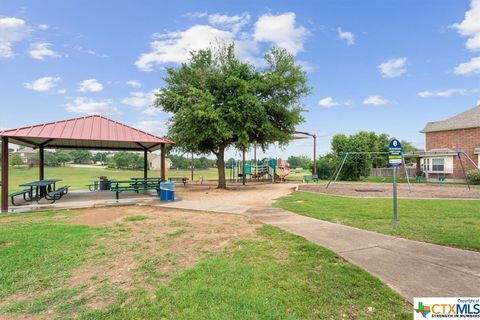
(183, 180)
(312, 177)
(135, 187)
(57, 194)
(23, 192)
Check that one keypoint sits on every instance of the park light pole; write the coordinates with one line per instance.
(314, 136)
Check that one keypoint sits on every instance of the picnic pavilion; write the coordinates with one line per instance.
(91, 133)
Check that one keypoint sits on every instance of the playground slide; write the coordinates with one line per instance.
(276, 168)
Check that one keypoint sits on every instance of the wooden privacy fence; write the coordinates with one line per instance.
(388, 172)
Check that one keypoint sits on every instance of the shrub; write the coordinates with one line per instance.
(473, 176)
(326, 166)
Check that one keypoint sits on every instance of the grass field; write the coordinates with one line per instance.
(274, 276)
(78, 177)
(448, 222)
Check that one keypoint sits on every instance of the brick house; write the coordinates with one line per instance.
(444, 139)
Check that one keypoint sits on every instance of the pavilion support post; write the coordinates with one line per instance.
(162, 162)
(145, 163)
(4, 197)
(41, 159)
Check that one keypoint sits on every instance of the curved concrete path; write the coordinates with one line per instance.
(412, 268)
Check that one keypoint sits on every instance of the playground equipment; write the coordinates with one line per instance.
(271, 169)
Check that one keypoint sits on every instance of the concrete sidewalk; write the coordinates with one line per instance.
(412, 268)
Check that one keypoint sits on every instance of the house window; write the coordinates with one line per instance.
(438, 165)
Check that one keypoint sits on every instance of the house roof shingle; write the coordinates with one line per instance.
(465, 120)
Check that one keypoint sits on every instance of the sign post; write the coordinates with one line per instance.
(395, 160)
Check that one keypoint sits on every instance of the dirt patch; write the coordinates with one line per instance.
(145, 253)
(6, 243)
(104, 216)
(384, 190)
(254, 194)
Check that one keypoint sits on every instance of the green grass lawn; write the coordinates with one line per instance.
(298, 176)
(275, 276)
(79, 177)
(448, 222)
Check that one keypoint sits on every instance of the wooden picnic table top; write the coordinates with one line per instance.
(40, 183)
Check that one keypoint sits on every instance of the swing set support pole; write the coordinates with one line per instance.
(463, 169)
(470, 159)
(406, 172)
(337, 172)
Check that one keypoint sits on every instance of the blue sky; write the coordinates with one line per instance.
(377, 65)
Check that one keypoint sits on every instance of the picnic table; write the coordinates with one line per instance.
(37, 190)
(42, 187)
(135, 184)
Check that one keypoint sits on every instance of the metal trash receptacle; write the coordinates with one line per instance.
(105, 184)
(167, 191)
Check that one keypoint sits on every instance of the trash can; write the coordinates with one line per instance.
(167, 191)
(105, 184)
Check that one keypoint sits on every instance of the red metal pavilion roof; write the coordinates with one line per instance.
(91, 132)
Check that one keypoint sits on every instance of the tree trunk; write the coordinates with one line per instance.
(222, 184)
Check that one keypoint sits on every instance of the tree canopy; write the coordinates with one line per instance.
(299, 161)
(217, 101)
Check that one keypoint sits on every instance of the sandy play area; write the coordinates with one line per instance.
(381, 190)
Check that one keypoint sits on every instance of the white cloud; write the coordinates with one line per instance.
(470, 67)
(6, 50)
(176, 46)
(40, 50)
(133, 83)
(81, 49)
(89, 106)
(42, 84)
(235, 23)
(281, 31)
(329, 102)
(140, 99)
(62, 91)
(196, 15)
(90, 85)
(393, 68)
(347, 36)
(375, 101)
(470, 26)
(152, 111)
(12, 30)
(447, 93)
(152, 126)
(43, 27)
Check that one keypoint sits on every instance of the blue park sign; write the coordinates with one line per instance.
(394, 153)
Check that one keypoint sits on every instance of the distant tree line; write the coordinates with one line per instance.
(182, 162)
(61, 157)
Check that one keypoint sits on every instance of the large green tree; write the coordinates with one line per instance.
(218, 101)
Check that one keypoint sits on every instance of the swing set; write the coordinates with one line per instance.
(335, 175)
